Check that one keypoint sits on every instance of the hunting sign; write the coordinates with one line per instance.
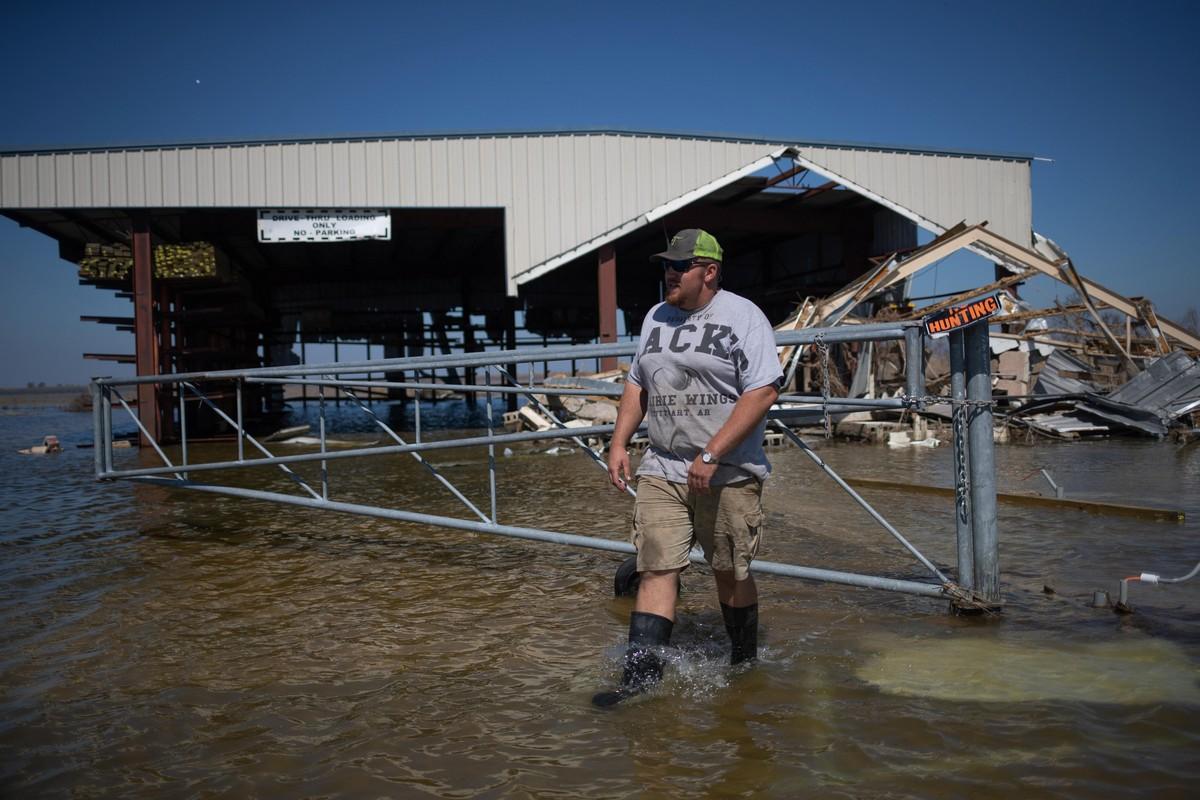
(953, 319)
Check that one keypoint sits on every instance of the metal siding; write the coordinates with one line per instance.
(488, 193)
(342, 178)
(170, 177)
(568, 199)
(357, 171)
(552, 240)
(135, 170)
(687, 166)
(470, 169)
(44, 180)
(205, 179)
(101, 187)
(520, 201)
(438, 194)
(911, 175)
(323, 173)
(704, 164)
(373, 195)
(289, 162)
(255, 176)
(644, 175)
(422, 172)
(64, 186)
(585, 199)
(658, 167)
(456, 182)
(406, 158)
(115, 167)
(222, 177)
(504, 198)
(389, 168)
(239, 184)
(273, 175)
(81, 173)
(10, 181)
(674, 172)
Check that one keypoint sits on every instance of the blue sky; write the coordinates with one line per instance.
(1106, 90)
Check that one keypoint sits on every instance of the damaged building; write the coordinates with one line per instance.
(239, 254)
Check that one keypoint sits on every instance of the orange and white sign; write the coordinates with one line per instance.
(952, 319)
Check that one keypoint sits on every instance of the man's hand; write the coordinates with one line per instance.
(699, 474)
(618, 466)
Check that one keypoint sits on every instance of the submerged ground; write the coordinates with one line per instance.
(160, 643)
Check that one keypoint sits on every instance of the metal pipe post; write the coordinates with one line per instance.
(97, 433)
(324, 464)
(241, 442)
(106, 421)
(962, 518)
(914, 363)
(980, 452)
(491, 428)
(183, 430)
(417, 413)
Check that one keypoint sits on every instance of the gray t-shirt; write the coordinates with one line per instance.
(695, 365)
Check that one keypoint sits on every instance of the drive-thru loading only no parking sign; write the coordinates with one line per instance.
(323, 224)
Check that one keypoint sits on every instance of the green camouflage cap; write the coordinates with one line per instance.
(691, 243)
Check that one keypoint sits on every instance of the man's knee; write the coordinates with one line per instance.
(665, 577)
(726, 578)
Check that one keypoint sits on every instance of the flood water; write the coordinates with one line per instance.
(160, 643)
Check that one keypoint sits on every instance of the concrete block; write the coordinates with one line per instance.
(1012, 387)
(1014, 364)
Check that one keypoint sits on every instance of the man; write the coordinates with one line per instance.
(705, 373)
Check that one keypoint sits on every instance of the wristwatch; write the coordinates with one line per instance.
(707, 457)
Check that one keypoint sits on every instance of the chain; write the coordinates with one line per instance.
(959, 424)
(823, 354)
(961, 413)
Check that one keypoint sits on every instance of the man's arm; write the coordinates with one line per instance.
(747, 413)
(629, 417)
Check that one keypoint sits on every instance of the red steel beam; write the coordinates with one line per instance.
(606, 284)
(143, 324)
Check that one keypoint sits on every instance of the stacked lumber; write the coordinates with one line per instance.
(184, 260)
(188, 260)
(106, 261)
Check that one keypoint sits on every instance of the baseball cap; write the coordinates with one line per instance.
(691, 243)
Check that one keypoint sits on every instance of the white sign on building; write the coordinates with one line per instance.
(323, 224)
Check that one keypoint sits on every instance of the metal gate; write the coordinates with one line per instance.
(977, 584)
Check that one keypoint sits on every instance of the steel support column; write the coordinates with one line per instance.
(143, 326)
(980, 449)
(606, 292)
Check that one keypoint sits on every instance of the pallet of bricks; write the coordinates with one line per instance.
(184, 260)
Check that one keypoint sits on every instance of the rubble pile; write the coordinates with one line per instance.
(1097, 364)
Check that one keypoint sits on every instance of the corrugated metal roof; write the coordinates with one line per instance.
(475, 134)
(562, 193)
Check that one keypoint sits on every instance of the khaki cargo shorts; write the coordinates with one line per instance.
(668, 521)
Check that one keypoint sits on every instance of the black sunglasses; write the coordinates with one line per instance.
(681, 266)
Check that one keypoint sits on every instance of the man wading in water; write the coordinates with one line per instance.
(706, 372)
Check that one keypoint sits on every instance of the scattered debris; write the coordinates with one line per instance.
(1061, 372)
(49, 445)
(287, 433)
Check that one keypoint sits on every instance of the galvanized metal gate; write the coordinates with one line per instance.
(977, 584)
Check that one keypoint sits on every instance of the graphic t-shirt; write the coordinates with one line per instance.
(695, 365)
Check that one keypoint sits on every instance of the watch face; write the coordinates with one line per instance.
(707, 457)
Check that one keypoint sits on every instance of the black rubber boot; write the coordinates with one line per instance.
(643, 667)
(742, 626)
